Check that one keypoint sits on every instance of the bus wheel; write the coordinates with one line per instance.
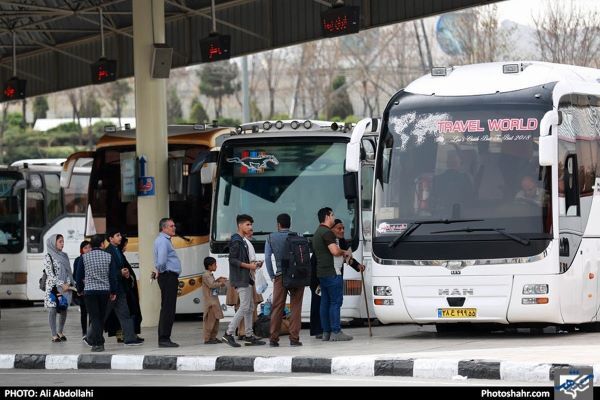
(590, 327)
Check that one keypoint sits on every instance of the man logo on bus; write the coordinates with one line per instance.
(254, 162)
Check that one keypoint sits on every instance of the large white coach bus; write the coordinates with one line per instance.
(294, 167)
(33, 206)
(487, 198)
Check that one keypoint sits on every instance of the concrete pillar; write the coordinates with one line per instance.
(151, 141)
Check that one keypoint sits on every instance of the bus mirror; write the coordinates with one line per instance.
(370, 125)
(548, 146)
(350, 186)
(69, 166)
(19, 185)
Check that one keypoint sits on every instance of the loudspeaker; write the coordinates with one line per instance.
(161, 61)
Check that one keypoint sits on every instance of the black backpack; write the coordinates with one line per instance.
(295, 263)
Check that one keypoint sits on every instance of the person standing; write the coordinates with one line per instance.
(276, 244)
(100, 287)
(326, 248)
(242, 265)
(133, 294)
(212, 307)
(168, 268)
(119, 307)
(78, 273)
(58, 284)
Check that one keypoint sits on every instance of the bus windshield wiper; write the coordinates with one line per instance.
(414, 225)
(524, 242)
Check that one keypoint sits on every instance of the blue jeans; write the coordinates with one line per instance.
(332, 295)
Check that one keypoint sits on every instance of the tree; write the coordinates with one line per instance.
(339, 100)
(218, 80)
(174, 112)
(569, 35)
(90, 108)
(40, 108)
(198, 113)
(117, 94)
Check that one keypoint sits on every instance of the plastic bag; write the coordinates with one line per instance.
(261, 282)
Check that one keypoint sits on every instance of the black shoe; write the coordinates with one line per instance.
(98, 348)
(141, 339)
(273, 343)
(136, 342)
(85, 340)
(212, 341)
(63, 338)
(295, 343)
(252, 341)
(167, 344)
(227, 338)
(319, 336)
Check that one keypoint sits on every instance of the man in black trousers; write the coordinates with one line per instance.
(168, 268)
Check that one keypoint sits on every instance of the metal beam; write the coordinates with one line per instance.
(207, 16)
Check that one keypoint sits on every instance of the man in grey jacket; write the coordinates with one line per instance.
(242, 265)
(276, 244)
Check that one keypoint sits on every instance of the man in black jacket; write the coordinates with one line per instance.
(119, 306)
(242, 266)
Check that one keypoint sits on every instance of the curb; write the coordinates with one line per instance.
(350, 365)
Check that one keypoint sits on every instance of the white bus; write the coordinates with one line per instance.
(293, 167)
(487, 198)
(113, 198)
(33, 206)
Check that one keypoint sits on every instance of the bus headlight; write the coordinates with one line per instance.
(534, 288)
(382, 290)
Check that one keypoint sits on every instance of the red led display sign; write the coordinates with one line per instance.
(341, 20)
(215, 48)
(104, 70)
(14, 89)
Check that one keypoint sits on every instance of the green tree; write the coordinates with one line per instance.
(218, 80)
(339, 100)
(198, 113)
(174, 112)
(40, 108)
(117, 94)
(90, 108)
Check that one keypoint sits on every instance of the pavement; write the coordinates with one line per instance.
(392, 350)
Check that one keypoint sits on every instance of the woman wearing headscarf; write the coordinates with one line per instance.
(58, 284)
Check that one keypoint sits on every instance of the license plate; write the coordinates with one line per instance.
(457, 312)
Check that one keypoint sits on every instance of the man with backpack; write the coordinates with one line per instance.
(280, 244)
(330, 279)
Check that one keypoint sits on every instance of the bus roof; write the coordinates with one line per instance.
(177, 134)
(489, 78)
(41, 161)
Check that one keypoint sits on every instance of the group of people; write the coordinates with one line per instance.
(103, 284)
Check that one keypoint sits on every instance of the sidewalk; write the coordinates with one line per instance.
(401, 350)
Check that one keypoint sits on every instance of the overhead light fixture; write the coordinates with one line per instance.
(279, 124)
(14, 88)
(267, 125)
(295, 124)
(510, 69)
(215, 47)
(439, 71)
(307, 124)
(103, 70)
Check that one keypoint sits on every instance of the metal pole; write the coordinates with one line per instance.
(362, 278)
(14, 53)
(102, 32)
(214, 18)
(245, 91)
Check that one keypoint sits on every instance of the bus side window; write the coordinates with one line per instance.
(571, 185)
(35, 221)
(53, 196)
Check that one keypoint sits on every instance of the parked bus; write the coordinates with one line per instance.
(293, 167)
(33, 206)
(113, 198)
(487, 197)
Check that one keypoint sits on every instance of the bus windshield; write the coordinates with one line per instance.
(297, 177)
(113, 191)
(11, 214)
(457, 159)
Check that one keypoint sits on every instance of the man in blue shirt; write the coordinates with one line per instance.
(276, 244)
(168, 268)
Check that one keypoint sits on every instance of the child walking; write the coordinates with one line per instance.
(212, 307)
